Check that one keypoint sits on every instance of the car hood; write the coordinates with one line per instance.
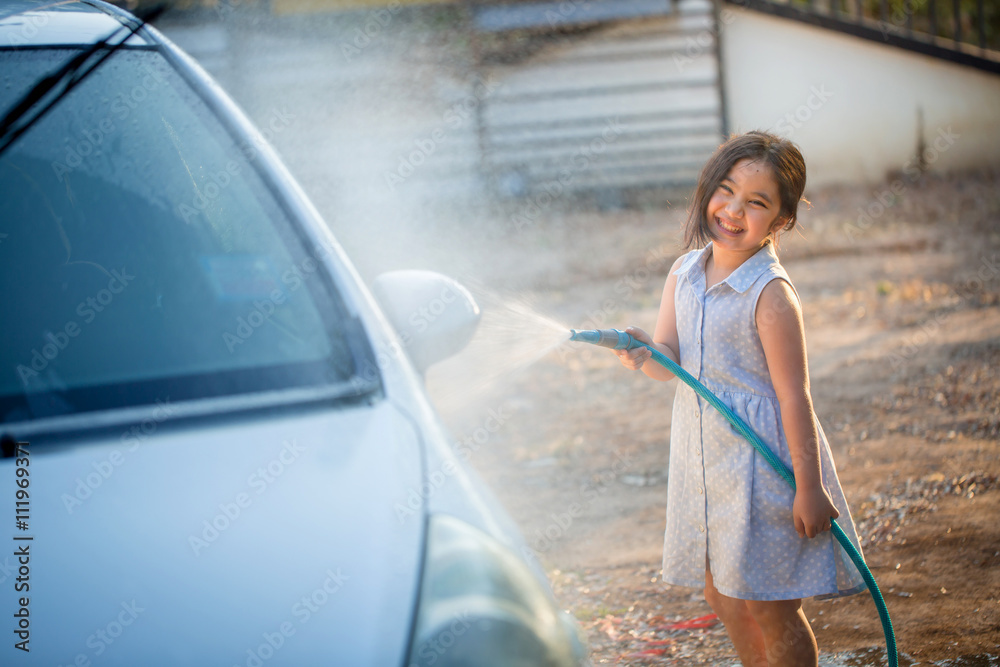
(269, 541)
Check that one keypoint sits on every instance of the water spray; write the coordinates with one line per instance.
(616, 339)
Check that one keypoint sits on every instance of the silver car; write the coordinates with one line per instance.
(217, 447)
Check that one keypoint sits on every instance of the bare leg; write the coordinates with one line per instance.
(788, 638)
(742, 627)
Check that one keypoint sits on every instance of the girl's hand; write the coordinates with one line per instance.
(812, 511)
(634, 359)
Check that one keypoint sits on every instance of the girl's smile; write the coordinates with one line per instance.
(728, 226)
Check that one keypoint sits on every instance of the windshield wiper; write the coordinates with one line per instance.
(72, 73)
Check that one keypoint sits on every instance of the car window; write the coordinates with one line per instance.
(142, 255)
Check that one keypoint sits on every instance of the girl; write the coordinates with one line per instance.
(730, 316)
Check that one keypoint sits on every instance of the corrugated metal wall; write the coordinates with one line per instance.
(629, 103)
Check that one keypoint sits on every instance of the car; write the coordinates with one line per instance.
(217, 444)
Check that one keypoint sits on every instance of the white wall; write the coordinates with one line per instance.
(851, 104)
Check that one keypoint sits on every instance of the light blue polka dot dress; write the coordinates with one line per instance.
(724, 501)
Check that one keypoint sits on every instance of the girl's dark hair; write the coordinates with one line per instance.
(780, 154)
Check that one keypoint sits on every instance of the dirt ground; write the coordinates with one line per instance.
(902, 312)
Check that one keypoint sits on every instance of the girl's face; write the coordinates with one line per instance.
(745, 207)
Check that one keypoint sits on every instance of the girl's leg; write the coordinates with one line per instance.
(788, 638)
(743, 629)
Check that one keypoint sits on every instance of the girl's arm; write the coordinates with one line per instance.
(664, 336)
(779, 323)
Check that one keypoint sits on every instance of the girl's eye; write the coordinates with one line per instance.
(725, 187)
(758, 202)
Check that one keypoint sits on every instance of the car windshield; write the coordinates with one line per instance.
(144, 258)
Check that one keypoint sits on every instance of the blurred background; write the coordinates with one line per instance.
(405, 116)
(543, 154)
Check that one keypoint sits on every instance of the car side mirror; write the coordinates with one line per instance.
(434, 315)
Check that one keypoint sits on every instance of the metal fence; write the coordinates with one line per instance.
(962, 31)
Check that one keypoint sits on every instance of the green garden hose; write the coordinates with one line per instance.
(620, 340)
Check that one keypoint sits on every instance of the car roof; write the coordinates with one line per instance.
(35, 23)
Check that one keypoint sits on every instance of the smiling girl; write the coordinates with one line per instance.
(730, 316)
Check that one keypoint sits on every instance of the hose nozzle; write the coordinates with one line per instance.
(615, 339)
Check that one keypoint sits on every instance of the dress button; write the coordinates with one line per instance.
(701, 490)
(701, 528)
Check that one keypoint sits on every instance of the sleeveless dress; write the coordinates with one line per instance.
(724, 501)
